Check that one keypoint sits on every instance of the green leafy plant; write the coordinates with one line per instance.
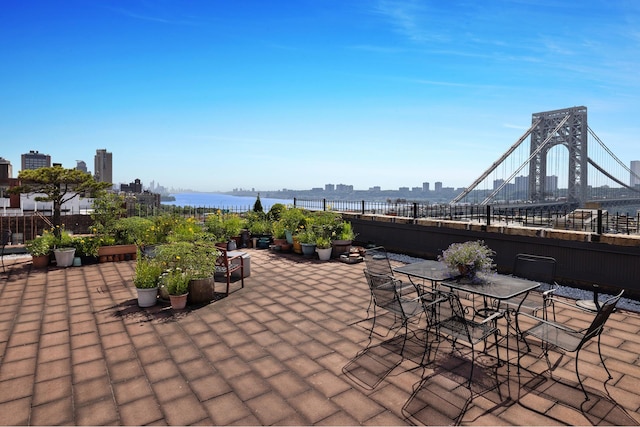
(86, 245)
(345, 232)
(131, 230)
(177, 282)
(307, 236)
(41, 245)
(323, 242)
(197, 259)
(474, 256)
(148, 273)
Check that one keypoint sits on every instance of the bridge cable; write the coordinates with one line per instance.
(533, 154)
(612, 155)
(495, 164)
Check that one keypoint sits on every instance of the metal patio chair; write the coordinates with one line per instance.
(454, 325)
(570, 339)
(541, 269)
(377, 263)
(386, 295)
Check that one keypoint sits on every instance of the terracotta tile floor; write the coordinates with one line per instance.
(292, 347)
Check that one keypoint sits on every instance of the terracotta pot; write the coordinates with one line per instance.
(178, 302)
(40, 261)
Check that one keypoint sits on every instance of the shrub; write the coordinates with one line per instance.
(148, 273)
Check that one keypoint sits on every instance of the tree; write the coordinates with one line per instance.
(257, 206)
(107, 208)
(58, 185)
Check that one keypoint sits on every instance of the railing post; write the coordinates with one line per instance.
(324, 204)
(488, 215)
(294, 202)
(415, 210)
(363, 207)
(599, 230)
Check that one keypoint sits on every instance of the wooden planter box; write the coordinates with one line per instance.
(117, 253)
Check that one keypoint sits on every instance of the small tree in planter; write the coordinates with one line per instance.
(57, 185)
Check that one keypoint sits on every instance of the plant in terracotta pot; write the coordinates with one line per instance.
(146, 280)
(177, 283)
(198, 260)
(468, 258)
(40, 249)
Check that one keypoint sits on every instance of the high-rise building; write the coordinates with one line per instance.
(438, 186)
(81, 165)
(103, 166)
(635, 168)
(6, 170)
(35, 160)
(425, 186)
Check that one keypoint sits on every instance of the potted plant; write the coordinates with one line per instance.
(468, 258)
(323, 248)
(40, 249)
(63, 248)
(86, 248)
(177, 283)
(198, 260)
(146, 279)
(344, 236)
(307, 239)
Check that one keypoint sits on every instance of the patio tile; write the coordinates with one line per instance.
(273, 353)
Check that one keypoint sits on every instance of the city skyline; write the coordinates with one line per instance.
(215, 96)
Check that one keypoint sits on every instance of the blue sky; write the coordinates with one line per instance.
(212, 95)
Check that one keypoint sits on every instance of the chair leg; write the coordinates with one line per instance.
(373, 324)
(602, 360)
(586, 396)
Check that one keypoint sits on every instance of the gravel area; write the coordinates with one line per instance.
(564, 291)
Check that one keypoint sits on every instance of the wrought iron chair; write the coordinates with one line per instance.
(539, 268)
(377, 263)
(570, 339)
(455, 326)
(386, 295)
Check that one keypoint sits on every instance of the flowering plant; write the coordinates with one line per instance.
(41, 245)
(468, 257)
(148, 272)
(177, 282)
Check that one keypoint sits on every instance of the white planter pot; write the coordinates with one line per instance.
(324, 254)
(147, 297)
(64, 256)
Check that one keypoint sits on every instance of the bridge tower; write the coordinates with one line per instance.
(567, 127)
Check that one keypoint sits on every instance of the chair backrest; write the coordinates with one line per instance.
(377, 261)
(605, 310)
(383, 289)
(535, 267)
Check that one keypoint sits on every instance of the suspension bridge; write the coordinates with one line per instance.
(565, 163)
